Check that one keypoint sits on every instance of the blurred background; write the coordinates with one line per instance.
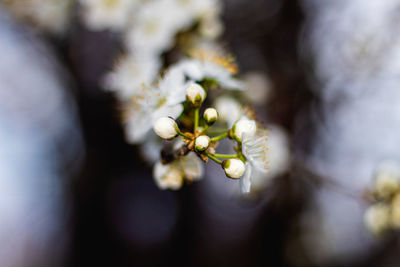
(74, 193)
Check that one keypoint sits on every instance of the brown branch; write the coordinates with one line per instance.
(168, 156)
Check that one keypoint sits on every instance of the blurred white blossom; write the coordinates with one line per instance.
(173, 175)
(108, 14)
(130, 74)
(52, 16)
(212, 64)
(152, 103)
(229, 109)
(258, 87)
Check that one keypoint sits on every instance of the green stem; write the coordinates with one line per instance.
(180, 133)
(205, 129)
(196, 119)
(211, 156)
(184, 135)
(219, 137)
(226, 156)
(217, 129)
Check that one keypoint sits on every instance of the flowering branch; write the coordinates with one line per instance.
(178, 95)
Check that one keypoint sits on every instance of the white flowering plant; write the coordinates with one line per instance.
(176, 105)
(194, 128)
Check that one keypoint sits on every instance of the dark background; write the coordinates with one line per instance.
(119, 216)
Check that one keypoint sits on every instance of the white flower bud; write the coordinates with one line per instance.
(210, 115)
(244, 126)
(195, 94)
(377, 218)
(387, 179)
(202, 142)
(167, 176)
(234, 168)
(165, 128)
(395, 212)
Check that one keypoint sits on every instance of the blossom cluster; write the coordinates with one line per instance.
(149, 29)
(384, 214)
(193, 104)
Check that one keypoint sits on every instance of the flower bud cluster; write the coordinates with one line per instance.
(197, 140)
(384, 214)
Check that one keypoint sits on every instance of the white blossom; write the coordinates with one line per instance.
(387, 179)
(152, 30)
(209, 64)
(130, 74)
(168, 176)
(151, 103)
(192, 167)
(172, 175)
(107, 14)
(255, 149)
(156, 24)
(49, 15)
(278, 158)
(377, 218)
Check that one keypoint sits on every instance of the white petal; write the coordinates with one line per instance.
(167, 176)
(232, 84)
(130, 74)
(192, 167)
(245, 181)
(151, 148)
(159, 170)
(173, 86)
(137, 127)
(192, 69)
(166, 111)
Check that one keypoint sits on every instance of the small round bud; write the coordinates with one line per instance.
(195, 94)
(165, 128)
(210, 115)
(377, 218)
(202, 142)
(244, 126)
(234, 168)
